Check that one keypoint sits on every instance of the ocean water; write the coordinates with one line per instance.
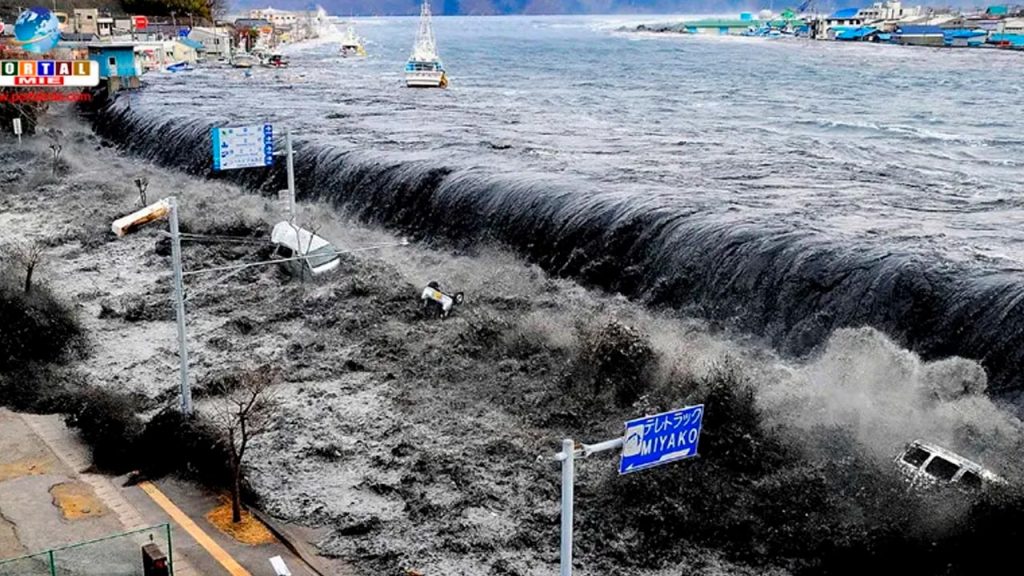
(782, 187)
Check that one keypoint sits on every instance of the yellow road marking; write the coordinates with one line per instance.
(204, 540)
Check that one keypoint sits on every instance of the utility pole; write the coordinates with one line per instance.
(291, 174)
(568, 472)
(179, 307)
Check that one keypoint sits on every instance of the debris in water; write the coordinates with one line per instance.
(139, 218)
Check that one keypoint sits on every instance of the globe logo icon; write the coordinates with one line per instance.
(37, 30)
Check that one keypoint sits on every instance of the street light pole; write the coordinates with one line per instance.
(568, 457)
(568, 472)
(179, 307)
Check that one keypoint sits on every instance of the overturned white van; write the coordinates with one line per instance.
(304, 251)
(926, 465)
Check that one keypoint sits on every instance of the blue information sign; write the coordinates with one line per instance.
(655, 440)
(243, 147)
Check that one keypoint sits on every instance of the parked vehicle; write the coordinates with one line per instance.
(926, 465)
(437, 303)
(313, 255)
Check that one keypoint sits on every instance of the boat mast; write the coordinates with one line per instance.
(426, 48)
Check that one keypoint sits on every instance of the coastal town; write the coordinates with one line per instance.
(997, 26)
(128, 45)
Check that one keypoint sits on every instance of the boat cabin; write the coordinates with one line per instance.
(418, 66)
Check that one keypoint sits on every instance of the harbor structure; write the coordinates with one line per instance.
(886, 21)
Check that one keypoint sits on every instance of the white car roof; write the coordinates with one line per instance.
(297, 239)
(958, 460)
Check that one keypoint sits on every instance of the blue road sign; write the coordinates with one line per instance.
(243, 147)
(655, 440)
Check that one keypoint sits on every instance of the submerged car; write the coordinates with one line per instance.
(312, 254)
(926, 464)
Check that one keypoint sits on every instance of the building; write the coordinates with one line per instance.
(216, 41)
(119, 67)
(1012, 26)
(84, 21)
(276, 17)
(887, 11)
(105, 25)
(913, 35)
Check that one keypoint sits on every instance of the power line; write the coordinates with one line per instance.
(292, 259)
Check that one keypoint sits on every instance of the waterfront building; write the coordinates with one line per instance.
(275, 16)
(916, 35)
(216, 41)
(1008, 34)
(888, 11)
(118, 63)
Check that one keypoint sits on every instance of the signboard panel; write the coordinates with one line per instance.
(243, 147)
(140, 22)
(49, 73)
(655, 440)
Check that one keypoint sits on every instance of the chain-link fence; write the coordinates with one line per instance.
(115, 555)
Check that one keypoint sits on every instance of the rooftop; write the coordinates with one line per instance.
(845, 14)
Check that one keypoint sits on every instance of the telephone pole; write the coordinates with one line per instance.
(179, 308)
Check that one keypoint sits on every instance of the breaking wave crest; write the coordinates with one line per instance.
(794, 287)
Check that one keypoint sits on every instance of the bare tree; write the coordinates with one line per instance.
(247, 412)
(26, 255)
(56, 149)
(142, 184)
(216, 9)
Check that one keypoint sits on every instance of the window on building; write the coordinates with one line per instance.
(915, 456)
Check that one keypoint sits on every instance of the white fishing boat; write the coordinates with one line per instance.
(243, 60)
(424, 69)
(352, 45)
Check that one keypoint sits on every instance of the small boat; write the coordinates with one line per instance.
(182, 66)
(352, 45)
(244, 60)
(424, 68)
(275, 61)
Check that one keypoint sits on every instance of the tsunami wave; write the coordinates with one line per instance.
(791, 286)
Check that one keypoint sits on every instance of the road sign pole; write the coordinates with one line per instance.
(291, 174)
(179, 307)
(568, 477)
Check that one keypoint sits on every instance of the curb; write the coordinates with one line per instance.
(296, 546)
